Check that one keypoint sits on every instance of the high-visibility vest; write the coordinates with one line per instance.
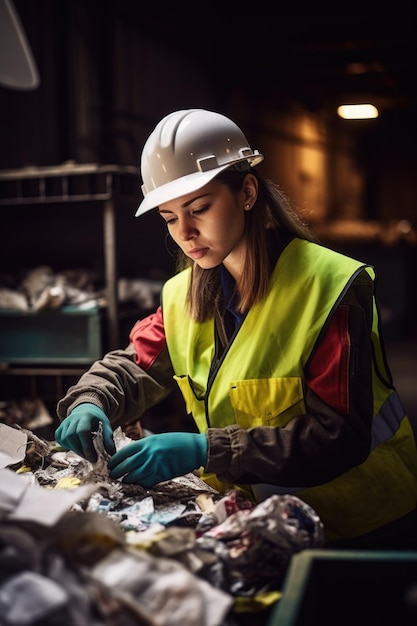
(259, 381)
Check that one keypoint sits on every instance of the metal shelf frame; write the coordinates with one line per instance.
(71, 182)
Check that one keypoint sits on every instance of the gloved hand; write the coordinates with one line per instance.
(159, 457)
(76, 431)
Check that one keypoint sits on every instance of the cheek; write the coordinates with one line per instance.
(230, 218)
(233, 225)
(171, 232)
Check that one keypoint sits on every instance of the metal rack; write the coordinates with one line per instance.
(71, 182)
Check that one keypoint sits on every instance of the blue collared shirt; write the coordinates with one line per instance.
(229, 294)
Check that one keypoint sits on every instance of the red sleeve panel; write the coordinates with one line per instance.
(148, 337)
(328, 374)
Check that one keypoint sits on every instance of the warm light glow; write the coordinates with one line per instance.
(357, 111)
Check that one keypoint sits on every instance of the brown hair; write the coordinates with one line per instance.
(271, 222)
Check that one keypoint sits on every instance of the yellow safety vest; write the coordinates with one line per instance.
(260, 379)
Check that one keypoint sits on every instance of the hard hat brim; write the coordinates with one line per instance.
(177, 188)
(187, 184)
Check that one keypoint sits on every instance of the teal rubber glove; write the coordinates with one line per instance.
(155, 458)
(76, 431)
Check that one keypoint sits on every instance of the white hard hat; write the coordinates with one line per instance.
(186, 150)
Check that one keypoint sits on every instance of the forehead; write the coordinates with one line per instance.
(182, 202)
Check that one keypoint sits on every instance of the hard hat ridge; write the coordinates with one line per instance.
(186, 150)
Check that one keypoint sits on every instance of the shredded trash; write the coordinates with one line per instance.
(76, 544)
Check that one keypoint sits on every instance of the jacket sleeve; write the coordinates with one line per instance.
(126, 383)
(335, 434)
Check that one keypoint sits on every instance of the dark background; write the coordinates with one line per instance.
(171, 55)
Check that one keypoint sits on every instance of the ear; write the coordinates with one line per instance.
(250, 191)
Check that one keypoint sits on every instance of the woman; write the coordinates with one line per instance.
(273, 340)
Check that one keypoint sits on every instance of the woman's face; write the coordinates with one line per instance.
(209, 224)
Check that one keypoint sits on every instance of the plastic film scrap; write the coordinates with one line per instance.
(122, 555)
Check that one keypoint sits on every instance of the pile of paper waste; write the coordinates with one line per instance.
(79, 548)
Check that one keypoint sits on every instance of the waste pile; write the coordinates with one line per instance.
(79, 548)
(41, 288)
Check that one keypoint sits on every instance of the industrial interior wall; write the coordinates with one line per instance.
(107, 75)
(126, 81)
(315, 168)
(107, 78)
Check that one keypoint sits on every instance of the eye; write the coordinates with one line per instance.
(201, 211)
(168, 220)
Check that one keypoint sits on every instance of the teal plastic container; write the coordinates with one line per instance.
(67, 336)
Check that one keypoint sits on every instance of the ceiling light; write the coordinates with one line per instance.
(357, 111)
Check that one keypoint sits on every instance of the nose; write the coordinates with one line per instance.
(186, 230)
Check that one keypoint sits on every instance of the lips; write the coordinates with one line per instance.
(197, 253)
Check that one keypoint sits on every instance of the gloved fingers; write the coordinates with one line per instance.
(143, 476)
(108, 440)
(82, 444)
(87, 447)
(156, 458)
(67, 437)
(60, 433)
(141, 469)
(80, 441)
(127, 459)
